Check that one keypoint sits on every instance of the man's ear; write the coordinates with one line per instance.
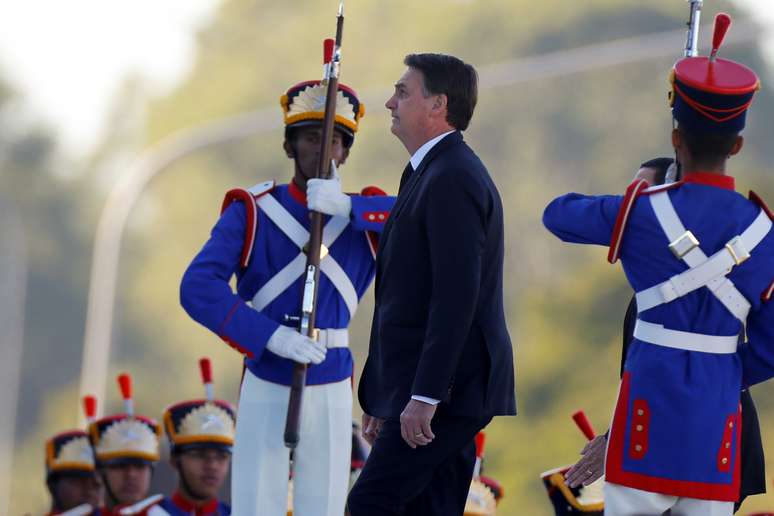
(289, 152)
(440, 104)
(738, 144)
(677, 139)
(174, 460)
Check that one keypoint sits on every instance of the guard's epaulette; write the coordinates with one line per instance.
(638, 188)
(754, 197)
(248, 197)
(660, 188)
(372, 190)
(141, 506)
(633, 191)
(768, 294)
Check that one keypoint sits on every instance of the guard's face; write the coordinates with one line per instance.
(72, 491)
(129, 483)
(409, 107)
(204, 470)
(306, 148)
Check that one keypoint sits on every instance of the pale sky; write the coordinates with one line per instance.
(68, 58)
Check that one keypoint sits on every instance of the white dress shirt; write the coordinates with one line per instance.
(415, 160)
(421, 152)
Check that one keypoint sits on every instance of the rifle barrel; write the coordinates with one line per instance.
(692, 37)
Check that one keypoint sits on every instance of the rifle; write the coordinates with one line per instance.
(692, 37)
(332, 62)
(675, 171)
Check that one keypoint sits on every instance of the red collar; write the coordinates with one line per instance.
(188, 506)
(296, 193)
(710, 179)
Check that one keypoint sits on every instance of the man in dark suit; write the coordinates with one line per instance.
(440, 363)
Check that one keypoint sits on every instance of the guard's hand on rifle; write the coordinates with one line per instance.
(288, 343)
(325, 195)
(592, 464)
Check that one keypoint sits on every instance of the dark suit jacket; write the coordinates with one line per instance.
(753, 467)
(439, 325)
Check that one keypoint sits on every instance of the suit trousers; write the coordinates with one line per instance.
(626, 501)
(321, 461)
(431, 480)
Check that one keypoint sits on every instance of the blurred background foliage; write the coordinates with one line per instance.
(583, 132)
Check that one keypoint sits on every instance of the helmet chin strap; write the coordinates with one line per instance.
(675, 171)
(108, 489)
(55, 501)
(297, 170)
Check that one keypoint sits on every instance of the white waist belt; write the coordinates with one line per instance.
(334, 338)
(660, 336)
(331, 337)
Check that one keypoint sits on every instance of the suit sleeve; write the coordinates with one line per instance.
(582, 219)
(456, 215)
(757, 354)
(206, 295)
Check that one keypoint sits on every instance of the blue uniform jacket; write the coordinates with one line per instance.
(206, 295)
(676, 425)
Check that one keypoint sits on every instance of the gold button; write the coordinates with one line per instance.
(724, 460)
(639, 428)
(371, 216)
(728, 445)
(731, 425)
(638, 447)
(640, 412)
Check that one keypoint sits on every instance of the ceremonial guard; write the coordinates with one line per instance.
(261, 238)
(71, 475)
(485, 492)
(126, 447)
(700, 258)
(201, 434)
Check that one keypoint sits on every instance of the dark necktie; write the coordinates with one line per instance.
(407, 172)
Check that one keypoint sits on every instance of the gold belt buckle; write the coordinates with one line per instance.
(745, 254)
(684, 244)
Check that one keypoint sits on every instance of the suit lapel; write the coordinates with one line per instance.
(407, 186)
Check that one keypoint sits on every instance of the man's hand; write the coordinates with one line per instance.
(325, 195)
(288, 343)
(371, 427)
(592, 464)
(415, 423)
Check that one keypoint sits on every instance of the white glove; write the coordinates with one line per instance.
(325, 195)
(288, 343)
